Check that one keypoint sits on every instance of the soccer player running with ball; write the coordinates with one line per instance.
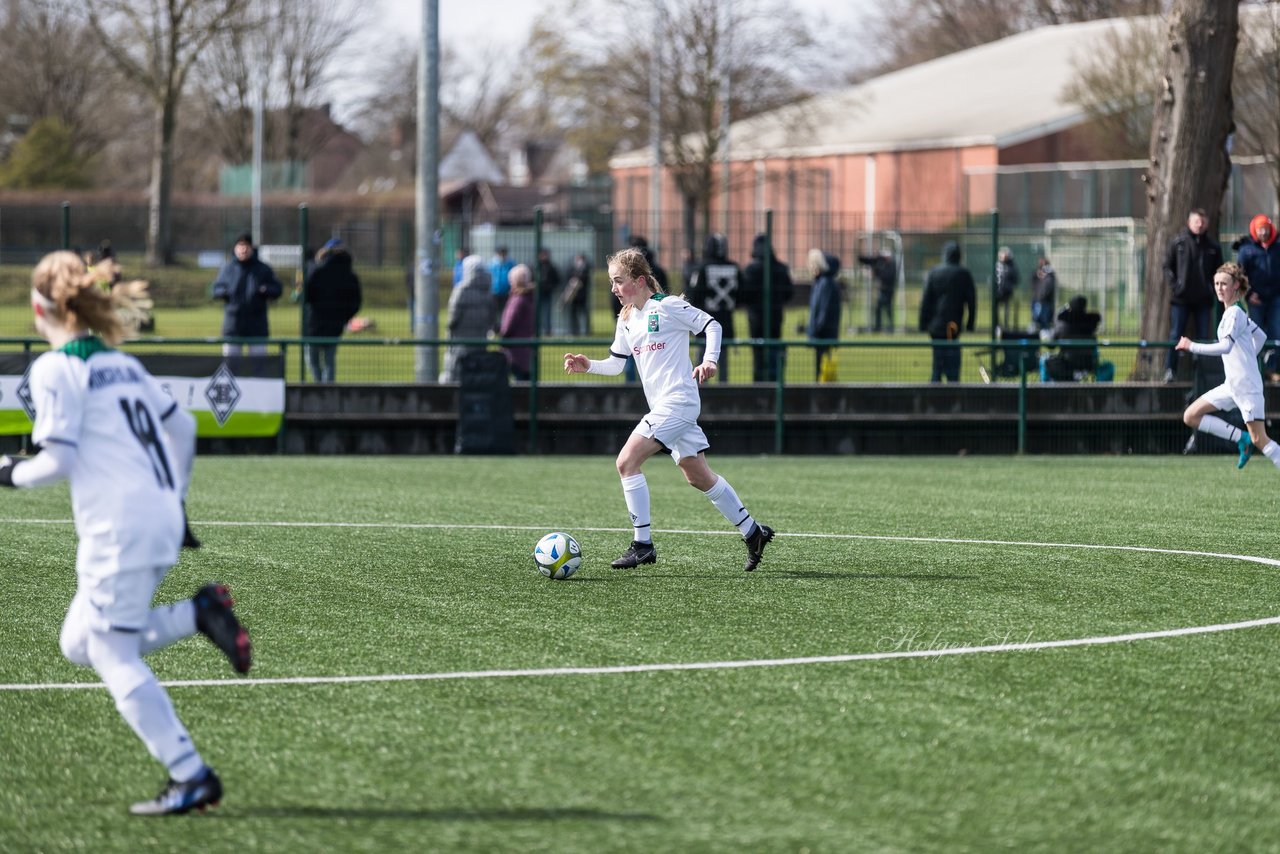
(1239, 340)
(105, 424)
(654, 327)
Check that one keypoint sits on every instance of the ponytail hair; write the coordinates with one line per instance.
(69, 293)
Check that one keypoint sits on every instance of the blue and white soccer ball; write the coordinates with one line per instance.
(557, 555)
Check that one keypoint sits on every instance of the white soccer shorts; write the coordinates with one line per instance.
(681, 437)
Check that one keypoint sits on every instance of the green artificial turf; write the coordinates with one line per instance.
(352, 567)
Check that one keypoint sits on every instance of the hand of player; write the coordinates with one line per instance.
(1184, 343)
(705, 371)
(576, 363)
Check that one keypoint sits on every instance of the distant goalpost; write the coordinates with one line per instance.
(1103, 259)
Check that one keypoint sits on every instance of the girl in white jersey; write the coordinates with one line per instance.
(655, 328)
(1239, 340)
(106, 425)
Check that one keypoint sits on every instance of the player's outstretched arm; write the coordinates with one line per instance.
(576, 363)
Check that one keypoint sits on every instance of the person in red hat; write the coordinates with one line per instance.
(1259, 256)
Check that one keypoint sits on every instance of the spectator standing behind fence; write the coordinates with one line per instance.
(1044, 290)
(824, 304)
(574, 299)
(768, 360)
(948, 291)
(1189, 264)
(1259, 257)
(331, 298)
(517, 321)
(499, 278)
(1006, 282)
(470, 315)
(885, 271)
(548, 287)
(246, 284)
(715, 289)
(459, 255)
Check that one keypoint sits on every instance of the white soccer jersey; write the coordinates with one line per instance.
(657, 335)
(126, 490)
(1239, 340)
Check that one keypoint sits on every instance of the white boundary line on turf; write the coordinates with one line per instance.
(704, 665)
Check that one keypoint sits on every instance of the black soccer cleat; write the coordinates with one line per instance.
(756, 541)
(179, 798)
(216, 621)
(636, 554)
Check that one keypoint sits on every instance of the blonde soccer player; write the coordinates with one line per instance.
(1239, 341)
(655, 328)
(105, 424)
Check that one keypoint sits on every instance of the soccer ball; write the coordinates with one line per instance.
(557, 555)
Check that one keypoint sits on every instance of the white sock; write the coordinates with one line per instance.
(635, 489)
(143, 702)
(730, 506)
(168, 624)
(1272, 452)
(1215, 426)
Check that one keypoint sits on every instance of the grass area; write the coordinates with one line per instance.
(1164, 744)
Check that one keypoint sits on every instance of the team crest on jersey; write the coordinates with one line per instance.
(653, 323)
(24, 395)
(222, 393)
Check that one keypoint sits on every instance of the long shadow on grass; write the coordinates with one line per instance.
(526, 814)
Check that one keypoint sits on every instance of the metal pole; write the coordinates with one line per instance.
(538, 330)
(655, 129)
(259, 99)
(304, 229)
(724, 117)
(66, 225)
(427, 196)
(995, 252)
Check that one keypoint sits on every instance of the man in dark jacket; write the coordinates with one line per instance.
(1189, 265)
(767, 361)
(948, 290)
(714, 288)
(246, 285)
(331, 298)
(824, 303)
(1259, 255)
(885, 271)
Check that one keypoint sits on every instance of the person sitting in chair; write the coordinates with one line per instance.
(1074, 323)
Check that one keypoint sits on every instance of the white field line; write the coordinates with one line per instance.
(938, 652)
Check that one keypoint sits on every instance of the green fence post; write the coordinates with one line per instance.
(304, 229)
(995, 254)
(537, 332)
(1022, 402)
(66, 225)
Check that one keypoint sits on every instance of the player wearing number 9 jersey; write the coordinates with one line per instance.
(105, 424)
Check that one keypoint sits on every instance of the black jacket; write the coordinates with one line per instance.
(948, 290)
(246, 288)
(885, 270)
(751, 296)
(1189, 265)
(332, 296)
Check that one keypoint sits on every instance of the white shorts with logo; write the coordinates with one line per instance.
(1252, 405)
(679, 436)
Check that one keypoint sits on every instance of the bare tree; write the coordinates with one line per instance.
(53, 66)
(154, 44)
(1257, 87)
(1116, 87)
(1190, 164)
(592, 60)
(287, 52)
